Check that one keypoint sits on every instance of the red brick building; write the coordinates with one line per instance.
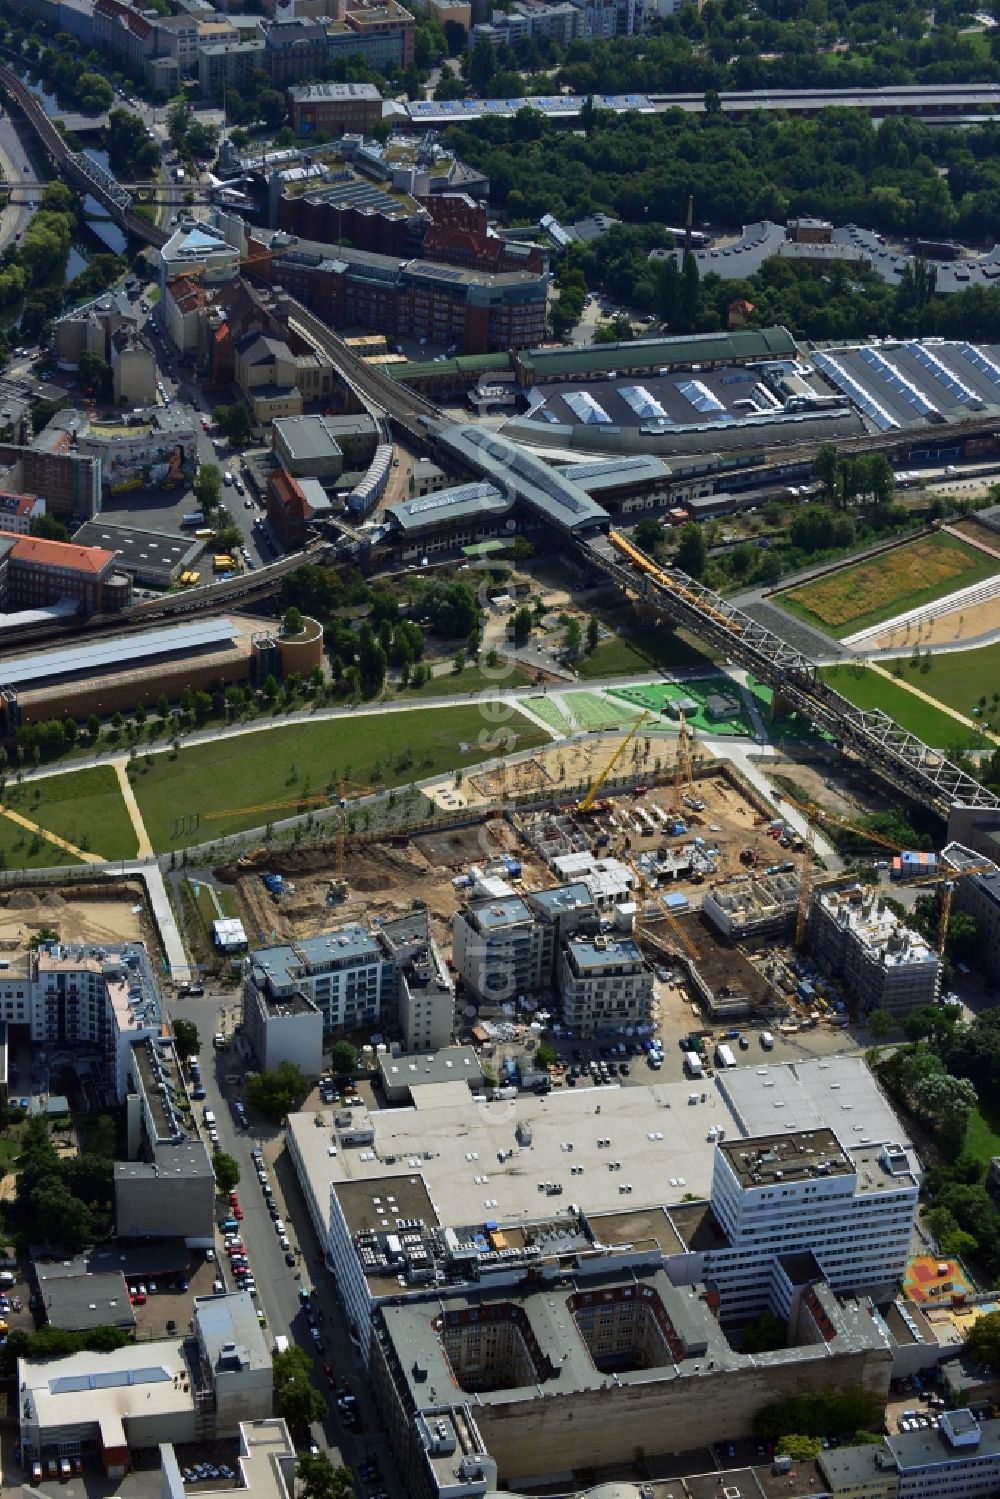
(35, 573)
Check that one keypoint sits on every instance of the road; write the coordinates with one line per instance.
(13, 159)
(278, 1284)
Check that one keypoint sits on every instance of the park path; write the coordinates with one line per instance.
(145, 849)
(925, 697)
(33, 827)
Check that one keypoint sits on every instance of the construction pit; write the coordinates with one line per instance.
(382, 879)
(398, 873)
(99, 913)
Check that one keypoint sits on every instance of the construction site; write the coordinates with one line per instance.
(717, 875)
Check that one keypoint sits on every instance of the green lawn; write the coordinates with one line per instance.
(854, 598)
(960, 679)
(502, 678)
(867, 689)
(982, 1138)
(549, 712)
(656, 694)
(628, 655)
(83, 806)
(592, 711)
(236, 776)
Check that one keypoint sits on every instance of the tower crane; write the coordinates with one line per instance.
(586, 805)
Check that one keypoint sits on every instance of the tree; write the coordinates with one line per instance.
(321, 1480)
(271, 107)
(521, 625)
(545, 1056)
(279, 1091)
(94, 373)
(227, 1171)
(572, 638)
(947, 1102)
(49, 527)
(593, 633)
(187, 1038)
(649, 534)
(983, 1339)
(293, 623)
(692, 552)
(343, 1058)
(296, 1399)
(826, 467)
(235, 422)
(208, 486)
(880, 1024)
(800, 1449)
(764, 1333)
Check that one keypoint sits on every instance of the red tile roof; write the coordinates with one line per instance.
(64, 554)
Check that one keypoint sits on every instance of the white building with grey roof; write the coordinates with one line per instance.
(656, 1174)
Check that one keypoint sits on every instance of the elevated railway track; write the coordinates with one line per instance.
(898, 757)
(78, 169)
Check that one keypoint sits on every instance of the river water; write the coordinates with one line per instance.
(97, 233)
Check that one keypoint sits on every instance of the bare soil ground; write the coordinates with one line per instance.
(73, 917)
(959, 624)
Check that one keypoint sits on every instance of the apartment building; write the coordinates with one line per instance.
(179, 37)
(978, 894)
(960, 1459)
(123, 34)
(882, 963)
(345, 974)
(605, 985)
(223, 65)
(501, 952)
(17, 511)
(295, 51)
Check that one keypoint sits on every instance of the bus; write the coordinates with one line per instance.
(192, 519)
(189, 579)
(223, 563)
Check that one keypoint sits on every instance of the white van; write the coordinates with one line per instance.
(279, 1226)
(767, 1040)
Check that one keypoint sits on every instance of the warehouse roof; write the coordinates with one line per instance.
(640, 353)
(448, 506)
(109, 655)
(613, 473)
(837, 1092)
(307, 437)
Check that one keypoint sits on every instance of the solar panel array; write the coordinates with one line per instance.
(699, 395)
(445, 499)
(123, 651)
(836, 373)
(894, 377)
(940, 372)
(585, 408)
(981, 362)
(640, 400)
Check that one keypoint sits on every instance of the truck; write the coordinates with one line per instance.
(192, 519)
(281, 1343)
(724, 1056)
(178, 174)
(693, 1065)
(208, 1116)
(767, 1040)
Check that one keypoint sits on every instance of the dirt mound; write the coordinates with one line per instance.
(53, 900)
(22, 900)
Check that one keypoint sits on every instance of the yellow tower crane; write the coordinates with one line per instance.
(588, 801)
